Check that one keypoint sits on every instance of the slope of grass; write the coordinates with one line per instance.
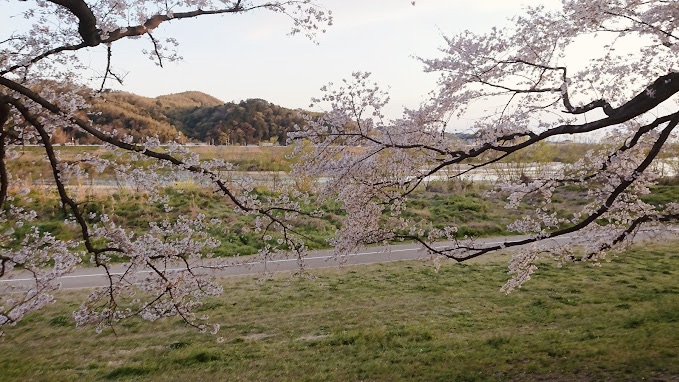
(388, 322)
(470, 211)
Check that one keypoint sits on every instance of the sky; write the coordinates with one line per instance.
(236, 57)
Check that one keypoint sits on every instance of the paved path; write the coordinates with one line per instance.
(95, 277)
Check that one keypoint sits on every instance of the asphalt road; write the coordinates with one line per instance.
(95, 277)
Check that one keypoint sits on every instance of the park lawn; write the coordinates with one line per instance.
(400, 321)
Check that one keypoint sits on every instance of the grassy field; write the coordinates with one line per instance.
(465, 205)
(468, 208)
(388, 322)
(458, 203)
(32, 165)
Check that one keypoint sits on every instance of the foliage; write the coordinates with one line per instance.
(192, 115)
(246, 122)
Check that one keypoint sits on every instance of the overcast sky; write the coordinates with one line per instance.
(236, 57)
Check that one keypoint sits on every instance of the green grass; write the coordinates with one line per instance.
(444, 203)
(460, 204)
(663, 194)
(474, 215)
(388, 322)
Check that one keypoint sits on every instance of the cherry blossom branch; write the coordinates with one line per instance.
(3, 264)
(87, 22)
(4, 179)
(268, 212)
(644, 23)
(154, 21)
(604, 105)
(605, 206)
(35, 108)
(92, 36)
(108, 70)
(40, 57)
(63, 194)
(659, 91)
(155, 49)
(632, 143)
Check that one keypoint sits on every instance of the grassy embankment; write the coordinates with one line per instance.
(458, 203)
(474, 214)
(32, 166)
(387, 322)
(129, 208)
(399, 321)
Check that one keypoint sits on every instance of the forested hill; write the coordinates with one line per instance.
(246, 122)
(191, 116)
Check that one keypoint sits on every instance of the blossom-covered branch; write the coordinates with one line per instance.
(533, 86)
(168, 264)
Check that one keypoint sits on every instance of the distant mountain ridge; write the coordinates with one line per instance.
(188, 116)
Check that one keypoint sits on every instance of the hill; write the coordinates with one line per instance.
(247, 122)
(188, 116)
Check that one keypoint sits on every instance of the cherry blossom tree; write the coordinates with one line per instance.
(590, 67)
(609, 68)
(165, 268)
